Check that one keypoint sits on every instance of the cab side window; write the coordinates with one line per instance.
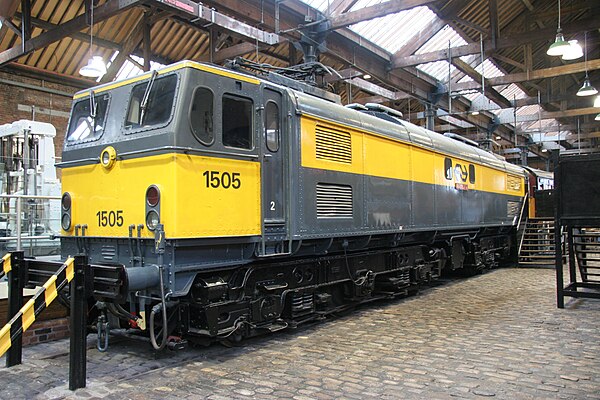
(201, 116)
(272, 126)
(448, 168)
(237, 122)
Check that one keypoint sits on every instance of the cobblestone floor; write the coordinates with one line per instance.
(497, 335)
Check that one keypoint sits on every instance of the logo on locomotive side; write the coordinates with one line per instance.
(462, 174)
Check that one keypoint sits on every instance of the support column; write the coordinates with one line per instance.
(429, 116)
(78, 325)
(16, 282)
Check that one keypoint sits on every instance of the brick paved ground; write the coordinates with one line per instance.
(497, 335)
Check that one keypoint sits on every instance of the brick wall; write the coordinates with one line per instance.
(45, 331)
(51, 324)
(17, 102)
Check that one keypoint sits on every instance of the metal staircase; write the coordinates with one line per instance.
(586, 242)
(537, 244)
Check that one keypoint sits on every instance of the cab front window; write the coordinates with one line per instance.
(88, 119)
(151, 102)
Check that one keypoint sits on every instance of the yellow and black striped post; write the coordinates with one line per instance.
(6, 265)
(12, 332)
(17, 275)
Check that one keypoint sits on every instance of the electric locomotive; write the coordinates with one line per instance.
(215, 204)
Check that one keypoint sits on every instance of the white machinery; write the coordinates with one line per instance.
(27, 168)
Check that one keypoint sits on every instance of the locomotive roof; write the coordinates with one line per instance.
(310, 104)
(404, 131)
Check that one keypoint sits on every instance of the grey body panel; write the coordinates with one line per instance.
(393, 205)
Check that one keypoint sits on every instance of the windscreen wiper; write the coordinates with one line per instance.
(93, 109)
(146, 97)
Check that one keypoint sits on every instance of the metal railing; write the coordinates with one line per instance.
(30, 223)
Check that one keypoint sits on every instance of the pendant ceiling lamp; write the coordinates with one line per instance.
(587, 89)
(95, 67)
(573, 52)
(560, 45)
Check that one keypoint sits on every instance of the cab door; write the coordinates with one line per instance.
(274, 201)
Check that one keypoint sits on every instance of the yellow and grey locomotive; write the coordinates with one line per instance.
(217, 204)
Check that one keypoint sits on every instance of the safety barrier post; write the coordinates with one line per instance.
(78, 326)
(16, 282)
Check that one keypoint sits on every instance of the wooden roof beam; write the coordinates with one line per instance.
(82, 37)
(375, 11)
(514, 40)
(530, 75)
(490, 92)
(338, 7)
(101, 13)
(421, 37)
(8, 8)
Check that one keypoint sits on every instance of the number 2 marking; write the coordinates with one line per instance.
(272, 206)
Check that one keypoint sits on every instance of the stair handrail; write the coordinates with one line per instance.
(522, 211)
(519, 223)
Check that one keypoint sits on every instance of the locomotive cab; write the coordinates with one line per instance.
(166, 168)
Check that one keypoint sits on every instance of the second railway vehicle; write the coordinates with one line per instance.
(221, 204)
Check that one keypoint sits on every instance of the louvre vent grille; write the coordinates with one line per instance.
(513, 208)
(513, 183)
(333, 145)
(334, 201)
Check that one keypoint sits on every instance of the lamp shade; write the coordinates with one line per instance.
(587, 89)
(597, 117)
(95, 68)
(559, 46)
(573, 52)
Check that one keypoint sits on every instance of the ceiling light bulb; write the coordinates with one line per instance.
(498, 137)
(95, 68)
(559, 46)
(367, 76)
(587, 89)
(544, 150)
(573, 52)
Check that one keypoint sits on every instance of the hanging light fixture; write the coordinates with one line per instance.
(597, 102)
(573, 52)
(95, 67)
(597, 117)
(560, 45)
(587, 89)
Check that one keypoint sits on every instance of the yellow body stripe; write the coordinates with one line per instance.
(174, 67)
(50, 292)
(28, 314)
(199, 196)
(70, 269)
(380, 156)
(6, 263)
(5, 341)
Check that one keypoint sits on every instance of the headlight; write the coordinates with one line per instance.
(66, 201)
(152, 220)
(65, 222)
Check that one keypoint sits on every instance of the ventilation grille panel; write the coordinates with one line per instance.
(333, 145)
(513, 208)
(513, 183)
(334, 201)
